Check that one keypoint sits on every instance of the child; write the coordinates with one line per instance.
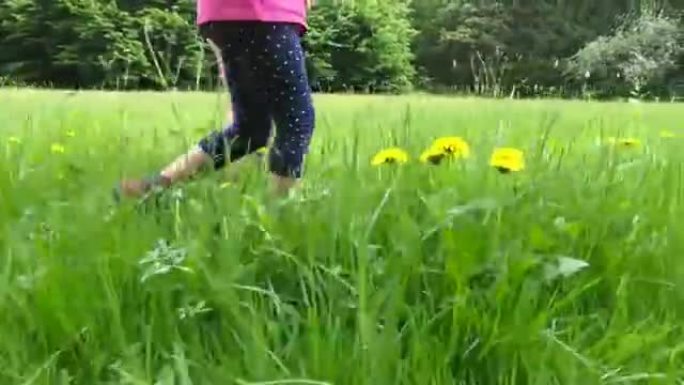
(262, 62)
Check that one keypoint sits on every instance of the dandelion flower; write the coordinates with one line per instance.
(71, 133)
(57, 148)
(14, 140)
(392, 155)
(453, 146)
(624, 142)
(507, 160)
(667, 134)
(433, 155)
(629, 142)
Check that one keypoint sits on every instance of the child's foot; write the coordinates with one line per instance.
(133, 188)
(136, 188)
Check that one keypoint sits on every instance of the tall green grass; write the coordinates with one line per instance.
(453, 274)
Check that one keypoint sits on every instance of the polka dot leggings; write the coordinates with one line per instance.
(266, 76)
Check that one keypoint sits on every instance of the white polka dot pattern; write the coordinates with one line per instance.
(271, 86)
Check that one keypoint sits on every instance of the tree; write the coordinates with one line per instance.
(362, 47)
(634, 60)
(493, 47)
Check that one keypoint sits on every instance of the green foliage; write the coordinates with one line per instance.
(108, 48)
(565, 273)
(636, 58)
(362, 47)
(493, 47)
(69, 42)
(172, 45)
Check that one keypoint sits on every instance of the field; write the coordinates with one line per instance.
(566, 272)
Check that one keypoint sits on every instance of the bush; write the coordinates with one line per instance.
(496, 48)
(634, 61)
(354, 47)
(173, 46)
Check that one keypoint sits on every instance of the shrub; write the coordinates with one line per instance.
(632, 61)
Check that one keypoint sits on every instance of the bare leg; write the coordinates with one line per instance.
(185, 165)
(181, 168)
(189, 164)
(282, 185)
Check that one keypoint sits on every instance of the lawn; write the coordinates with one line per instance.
(566, 272)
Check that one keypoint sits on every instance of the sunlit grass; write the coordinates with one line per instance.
(565, 272)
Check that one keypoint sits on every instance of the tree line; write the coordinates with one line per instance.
(606, 48)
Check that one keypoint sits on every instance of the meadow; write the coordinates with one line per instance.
(565, 272)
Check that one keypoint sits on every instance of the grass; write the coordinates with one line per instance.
(390, 275)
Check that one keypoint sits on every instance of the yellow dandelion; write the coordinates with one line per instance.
(57, 148)
(70, 133)
(667, 134)
(14, 140)
(624, 142)
(454, 146)
(392, 155)
(433, 155)
(629, 142)
(507, 160)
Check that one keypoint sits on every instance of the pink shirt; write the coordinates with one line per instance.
(288, 11)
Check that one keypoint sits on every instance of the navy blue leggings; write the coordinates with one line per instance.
(266, 75)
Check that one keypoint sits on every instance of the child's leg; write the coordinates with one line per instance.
(290, 102)
(251, 126)
(251, 121)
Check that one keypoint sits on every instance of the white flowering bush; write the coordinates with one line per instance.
(637, 56)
